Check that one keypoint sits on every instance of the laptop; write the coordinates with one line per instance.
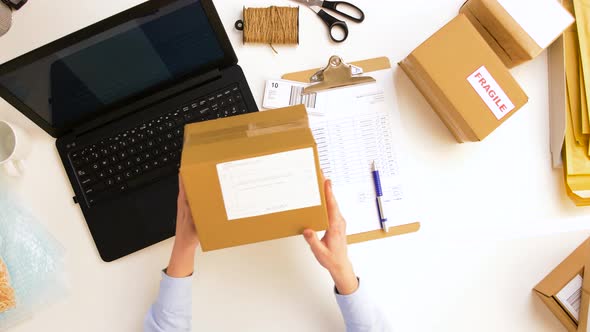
(117, 95)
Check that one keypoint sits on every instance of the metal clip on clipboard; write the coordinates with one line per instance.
(335, 75)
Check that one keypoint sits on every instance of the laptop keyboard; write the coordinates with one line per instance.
(149, 151)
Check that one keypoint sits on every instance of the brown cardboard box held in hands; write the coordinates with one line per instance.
(253, 177)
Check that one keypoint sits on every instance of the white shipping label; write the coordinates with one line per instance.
(282, 93)
(490, 92)
(268, 184)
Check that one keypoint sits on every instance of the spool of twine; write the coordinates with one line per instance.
(271, 25)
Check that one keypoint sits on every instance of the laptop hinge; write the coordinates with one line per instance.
(153, 99)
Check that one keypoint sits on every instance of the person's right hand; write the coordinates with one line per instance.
(331, 251)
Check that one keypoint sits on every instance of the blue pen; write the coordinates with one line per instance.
(379, 191)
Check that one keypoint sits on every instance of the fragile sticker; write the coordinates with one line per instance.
(490, 92)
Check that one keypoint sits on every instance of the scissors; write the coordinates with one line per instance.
(334, 24)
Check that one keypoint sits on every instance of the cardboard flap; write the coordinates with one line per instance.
(558, 311)
(203, 138)
(565, 271)
(291, 115)
(368, 65)
(379, 234)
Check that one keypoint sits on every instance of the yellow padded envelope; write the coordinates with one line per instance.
(582, 13)
(572, 74)
(576, 166)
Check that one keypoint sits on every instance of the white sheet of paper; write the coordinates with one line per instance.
(268, 184)
(354, 126)
(570, 296)
(543, 20)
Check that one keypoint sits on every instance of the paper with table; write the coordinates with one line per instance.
(354, 126)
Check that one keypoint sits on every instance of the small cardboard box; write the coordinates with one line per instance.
(519, 30)
(464, 81)
(253, 177)
(563, 275)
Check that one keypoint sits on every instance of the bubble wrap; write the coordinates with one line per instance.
(33, 257)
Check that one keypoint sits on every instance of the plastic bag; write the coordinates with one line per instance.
(33, 257)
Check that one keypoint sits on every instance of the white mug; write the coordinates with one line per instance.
(15, 146)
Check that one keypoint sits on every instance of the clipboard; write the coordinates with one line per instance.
(332, 81)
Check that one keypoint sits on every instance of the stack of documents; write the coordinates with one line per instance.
(353, 127)
(576, 150)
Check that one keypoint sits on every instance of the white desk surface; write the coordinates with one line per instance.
(495, 217)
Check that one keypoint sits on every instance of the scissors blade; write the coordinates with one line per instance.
(311, 3)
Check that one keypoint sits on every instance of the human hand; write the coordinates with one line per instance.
(331, 251)
(186, 233)
(186, 242)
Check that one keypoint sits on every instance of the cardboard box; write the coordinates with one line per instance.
(253, 177)
(512, 31)
(562, 275)
(464, 81)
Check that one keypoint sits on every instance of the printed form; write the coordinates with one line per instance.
(354, 126)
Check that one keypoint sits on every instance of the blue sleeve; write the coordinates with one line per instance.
(173, 308)
(360, 313)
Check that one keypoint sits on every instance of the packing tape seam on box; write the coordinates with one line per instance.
(257, 130)
(249, 130)
(489, 34)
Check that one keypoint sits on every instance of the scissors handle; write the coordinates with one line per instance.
(334, 25)
(351, 11)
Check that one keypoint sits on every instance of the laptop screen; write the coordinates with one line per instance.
(162, 45)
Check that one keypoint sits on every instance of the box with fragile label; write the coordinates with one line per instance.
(518, 30)
(464, 81)
(253, 177)
(566, 290)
